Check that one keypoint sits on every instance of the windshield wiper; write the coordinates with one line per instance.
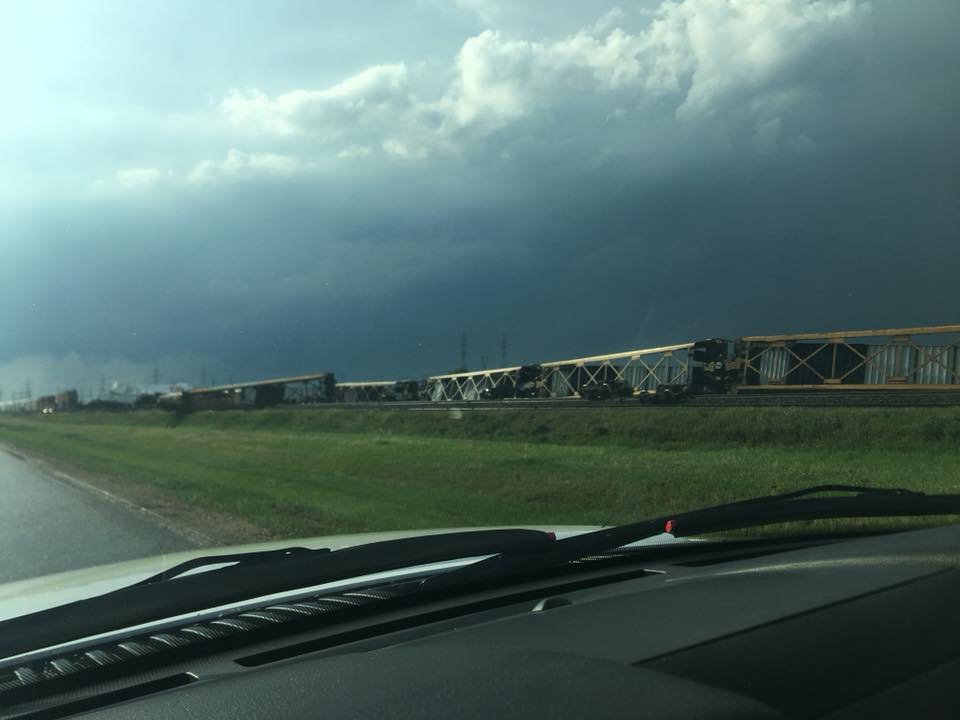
(233, 560)
(865, 502)
(264, 574)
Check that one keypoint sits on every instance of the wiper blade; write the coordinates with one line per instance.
(143, 603)
(829, 488)
(233, 560)
(866, 502)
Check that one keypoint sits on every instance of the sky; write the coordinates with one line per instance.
(258, 188)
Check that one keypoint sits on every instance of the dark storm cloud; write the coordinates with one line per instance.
(586, 193)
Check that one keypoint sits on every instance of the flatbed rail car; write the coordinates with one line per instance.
(897, 359)
(295, 390)
(379, 391)
(923, 358)
(641, 372)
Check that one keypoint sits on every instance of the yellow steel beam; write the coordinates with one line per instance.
(619, 356)
(257, 383)
(834, 387)
(473, 373)
(890, 332)
(371, 383)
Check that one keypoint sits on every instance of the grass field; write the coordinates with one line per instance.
(305, 472)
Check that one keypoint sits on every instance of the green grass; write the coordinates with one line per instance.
(303, 472)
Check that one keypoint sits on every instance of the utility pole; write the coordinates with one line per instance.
(463, 352)
(503, 349)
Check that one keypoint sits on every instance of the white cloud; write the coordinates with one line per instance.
(243, 165)
(354, 151)
(492, 74)
(139, 177)
(726, 49)
(377, 93)
(132, 180)
(707, 54)
(609, 20)
(739, 65)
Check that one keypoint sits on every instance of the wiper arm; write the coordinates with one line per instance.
(765, 510)
(142, 603)
(233, 560)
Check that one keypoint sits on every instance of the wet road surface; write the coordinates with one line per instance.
(49, 525)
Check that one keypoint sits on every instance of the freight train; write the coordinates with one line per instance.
(917, 358)
(45, 404)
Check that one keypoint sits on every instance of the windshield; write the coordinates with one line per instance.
(284, 270)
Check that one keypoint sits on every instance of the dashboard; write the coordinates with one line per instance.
(864, 627)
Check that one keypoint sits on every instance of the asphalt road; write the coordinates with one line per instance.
(48, 525)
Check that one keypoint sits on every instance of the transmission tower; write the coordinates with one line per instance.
(103, 388)
(203, 376)
(27, 391)
(503, 350)
(156, 374)
(463, 352)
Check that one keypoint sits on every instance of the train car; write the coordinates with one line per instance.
(917, 358)
(527, 382)
(295, 390)
(377, 391)
(67, 401)
(471, 385)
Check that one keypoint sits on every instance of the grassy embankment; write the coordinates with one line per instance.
(303, 472)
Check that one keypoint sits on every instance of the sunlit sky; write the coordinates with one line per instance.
(269, 187)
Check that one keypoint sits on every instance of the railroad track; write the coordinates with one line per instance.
(832, 398)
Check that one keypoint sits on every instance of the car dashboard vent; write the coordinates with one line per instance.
(33, 674)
